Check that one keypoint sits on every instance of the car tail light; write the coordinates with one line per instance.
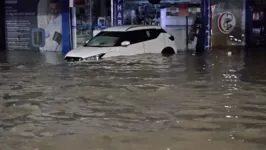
(172, 38)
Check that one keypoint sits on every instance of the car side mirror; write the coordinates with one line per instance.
(125, 43)
(86, 42)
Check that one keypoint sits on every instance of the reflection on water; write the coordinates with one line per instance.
(141, 102)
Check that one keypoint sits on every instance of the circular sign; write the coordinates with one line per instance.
(226, 22)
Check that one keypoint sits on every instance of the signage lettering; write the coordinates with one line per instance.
(119, 12)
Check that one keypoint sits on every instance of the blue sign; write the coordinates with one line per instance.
(119, 12)
(207, 18)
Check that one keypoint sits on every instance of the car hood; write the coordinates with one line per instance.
(85, 52)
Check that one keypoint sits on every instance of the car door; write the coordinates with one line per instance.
(155, 42)
(136, 46)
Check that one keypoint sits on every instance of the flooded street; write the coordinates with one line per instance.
(145, 102)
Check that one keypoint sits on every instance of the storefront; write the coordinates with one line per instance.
(88, 16)
(175, 16)
(81, 22)
(58, 25)
(228, 23)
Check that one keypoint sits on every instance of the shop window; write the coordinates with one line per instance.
(84, 22)
(136, 12)
(228, 30)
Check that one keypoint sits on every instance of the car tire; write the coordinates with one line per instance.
(168, 51)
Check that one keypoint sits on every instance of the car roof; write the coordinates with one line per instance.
(125, 28)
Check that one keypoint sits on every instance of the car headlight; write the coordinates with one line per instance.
(95, 57)
(92, 58)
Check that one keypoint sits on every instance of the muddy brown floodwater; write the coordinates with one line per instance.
(145, 102)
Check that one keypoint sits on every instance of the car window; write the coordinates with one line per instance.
(162, 30)
(103, 41)
(154, 33)
(136, 36)
(106, 39)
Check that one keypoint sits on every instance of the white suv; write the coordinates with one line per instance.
(125, 40)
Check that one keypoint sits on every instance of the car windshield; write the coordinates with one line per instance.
(106, 39)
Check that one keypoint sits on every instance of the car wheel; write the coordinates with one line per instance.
(168, 51)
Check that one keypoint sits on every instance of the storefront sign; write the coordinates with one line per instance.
(33, 27)
(207, 23)
(119, 12)
(183, 9)
(226, 22)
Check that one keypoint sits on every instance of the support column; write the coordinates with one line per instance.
(112, 12)
(66, 44)
(248, 21)
(210, 24)
(207, 19)
(74, 28)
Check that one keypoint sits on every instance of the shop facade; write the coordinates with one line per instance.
(52, 25)
(238, 23)
(61, 25)
(227, 23)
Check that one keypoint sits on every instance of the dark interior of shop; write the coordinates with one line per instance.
(258, 10)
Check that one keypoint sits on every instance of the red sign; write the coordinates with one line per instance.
(226, 22)
(183, 9)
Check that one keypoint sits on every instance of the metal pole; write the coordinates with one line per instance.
(210, 25)
(91, 21)
(187, 33)
(112, 12)
(74, 28)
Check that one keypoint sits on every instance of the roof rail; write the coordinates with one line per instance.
(133, 26)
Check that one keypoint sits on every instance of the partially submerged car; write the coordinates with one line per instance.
(124, 41)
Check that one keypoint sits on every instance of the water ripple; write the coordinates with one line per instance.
(140, 102)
